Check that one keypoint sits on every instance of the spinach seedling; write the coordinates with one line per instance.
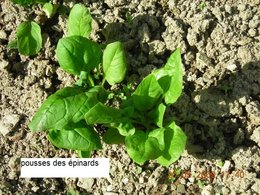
(29, 38)
(71, 114)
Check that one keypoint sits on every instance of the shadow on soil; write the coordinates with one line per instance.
(215, 119)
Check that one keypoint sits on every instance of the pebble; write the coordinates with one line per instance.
(225, 190)
(252, 32)
(208, 190)
(110, 188)
(226, 165)
(3, 64)
(86, 183)
(256, 136)
(35, 188)
(8, 122)
(141, 180)
(180, 188)
(110, 193)
(232, 67)
(3, 34)
(125, 181)
(228, 8)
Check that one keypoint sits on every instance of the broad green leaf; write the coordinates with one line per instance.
(157, 115)
(66, 106)
(112, 136)
(114, 63)
(159, 135)
(147, 94)
(83, 139)
(79, 22)
(170, 77)
(76, 54)
(175, 141)
(125, 127)
(102, 114)
(29, 38)
(141, 147)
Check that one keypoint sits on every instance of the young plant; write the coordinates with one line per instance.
(29, 38)
(71, 114)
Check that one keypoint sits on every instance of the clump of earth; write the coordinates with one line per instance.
(219, 109)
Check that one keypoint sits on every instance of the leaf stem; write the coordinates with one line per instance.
(103, 81)
(90, 81)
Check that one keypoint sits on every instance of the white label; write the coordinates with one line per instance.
(64, 167)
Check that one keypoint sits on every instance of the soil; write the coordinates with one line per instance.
(219, 109)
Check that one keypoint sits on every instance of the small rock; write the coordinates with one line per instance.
(225, 190)
(208, 190)
(110, 193)
(241, 7)
(253, 111)
(228, 8)
(86, 183)
(252, 32)
(35, 188)
(3, 34)
(141, 180)
(191, 179)
(244, 41)
(125, 181)
(256, 136)
(110, 188)
(226, 166)
(8, 122)
(181, 188)
(3, 64)
(232, 67)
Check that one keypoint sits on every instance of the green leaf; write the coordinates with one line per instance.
(49, 9)
(147, 94)
(101, 114)
(28, 2)
(23, 2)
(159, 135)
(66, 106)
(12, 44)
(29, 38)
(83, 139)
(79, 22)
(72, 192)
(41, 1)
(125, 127)
(76, 54)
(170, 77)
(141, 147)
(175, 141)
(84, 154)
(114, 63)
(157, 114)
(112, 136)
